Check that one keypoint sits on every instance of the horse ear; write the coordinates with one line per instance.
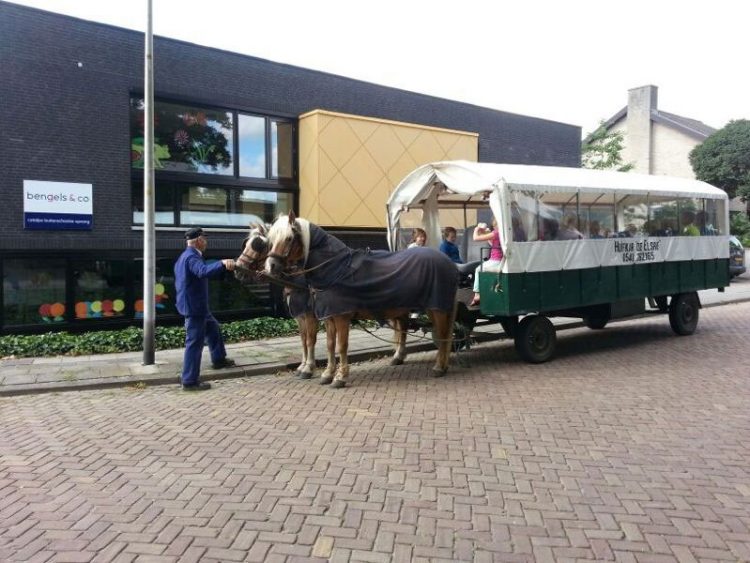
(292, 217)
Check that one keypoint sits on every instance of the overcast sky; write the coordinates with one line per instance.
(571, 61)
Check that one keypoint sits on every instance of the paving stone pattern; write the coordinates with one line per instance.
(632, 445)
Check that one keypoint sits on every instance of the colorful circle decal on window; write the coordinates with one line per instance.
(118, 305)
(57, 309)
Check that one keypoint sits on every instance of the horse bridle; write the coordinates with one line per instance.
(248, 264)
(296, 239)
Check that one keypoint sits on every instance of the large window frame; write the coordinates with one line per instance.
(284, 186)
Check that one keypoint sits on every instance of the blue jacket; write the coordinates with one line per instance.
(191, 281)
(447, 247)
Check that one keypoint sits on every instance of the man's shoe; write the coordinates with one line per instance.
(202, 386)
(224, 363)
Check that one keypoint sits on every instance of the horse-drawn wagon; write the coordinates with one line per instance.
(576, 243)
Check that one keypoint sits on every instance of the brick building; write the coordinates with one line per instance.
(237, 139)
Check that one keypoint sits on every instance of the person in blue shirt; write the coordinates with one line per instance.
(191, 275)
(448, 246)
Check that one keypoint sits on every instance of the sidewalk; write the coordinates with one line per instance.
(278, 355)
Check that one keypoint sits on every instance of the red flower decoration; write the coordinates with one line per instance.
(181, 138)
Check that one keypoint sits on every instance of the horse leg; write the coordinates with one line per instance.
(330, 371)
(442, 324)
(399, 341)
(310, 335)
(342, 339)
(301, 327)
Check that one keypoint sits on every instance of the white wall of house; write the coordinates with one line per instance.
(670, 150)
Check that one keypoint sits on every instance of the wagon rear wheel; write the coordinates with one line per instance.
(598, 316)
(683, 313)
(535, 339)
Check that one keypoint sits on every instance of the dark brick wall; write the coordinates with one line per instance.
(63, 122)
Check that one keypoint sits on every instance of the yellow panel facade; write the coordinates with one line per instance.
(350, 164)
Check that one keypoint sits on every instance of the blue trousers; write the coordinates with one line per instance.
(198, 331)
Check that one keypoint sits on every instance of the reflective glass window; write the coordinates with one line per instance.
(163, 200)
(231, 207)
(100, 288)
(662, 217)
(632, 216)
(33, 291)
(687, 217)
(186, 138)
(282, 165)
(228, 294)
(164, 290)
(252, 131)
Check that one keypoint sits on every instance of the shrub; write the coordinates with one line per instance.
(131, 339)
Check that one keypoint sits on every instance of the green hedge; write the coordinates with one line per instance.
(131, 339)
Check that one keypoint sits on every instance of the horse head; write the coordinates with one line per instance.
(255, 249)
(285, 243)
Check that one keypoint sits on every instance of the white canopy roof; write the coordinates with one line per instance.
(465, 181)
(471, 178)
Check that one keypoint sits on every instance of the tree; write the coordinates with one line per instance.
(602, 149)
(723, 159)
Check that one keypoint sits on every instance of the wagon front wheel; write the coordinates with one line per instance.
(535, 339)
(683, 313)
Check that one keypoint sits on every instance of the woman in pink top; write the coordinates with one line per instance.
(495, 262)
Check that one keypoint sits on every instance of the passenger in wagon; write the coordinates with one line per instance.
(495, 261)
(569, 230)
(687, 220)
(704, 227)
(549, 229)
(418, 238)
(448, 246)
(595, 230)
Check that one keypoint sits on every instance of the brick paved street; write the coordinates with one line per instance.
(632, 445)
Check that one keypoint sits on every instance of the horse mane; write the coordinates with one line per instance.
(281, 229)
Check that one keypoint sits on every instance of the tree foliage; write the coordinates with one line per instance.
(602, 150)
(723, 159)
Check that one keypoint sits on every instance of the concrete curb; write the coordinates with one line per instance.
(274, 367)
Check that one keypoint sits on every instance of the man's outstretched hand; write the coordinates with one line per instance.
(228, 264)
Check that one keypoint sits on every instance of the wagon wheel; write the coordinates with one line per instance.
(598, 317)
(683, 313)
(535, 339)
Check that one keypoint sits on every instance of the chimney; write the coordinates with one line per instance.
(641, 102)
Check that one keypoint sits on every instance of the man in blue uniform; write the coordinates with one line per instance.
(191, 275)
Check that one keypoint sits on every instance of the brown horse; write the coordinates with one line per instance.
(351, 284)
(248, 267)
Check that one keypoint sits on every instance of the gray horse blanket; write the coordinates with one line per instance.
(349, 280)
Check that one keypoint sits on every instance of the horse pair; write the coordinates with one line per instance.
(346, 284)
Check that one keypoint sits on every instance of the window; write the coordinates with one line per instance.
(186, 138)
(191, 139)
(282, 149)
(163, 201)
(33, 291)
(164, 291)
(230, 207)
(252, 146)
(100, 288)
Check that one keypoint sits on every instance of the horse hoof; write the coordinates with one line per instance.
(397, 361)
(338, 384)
(305, 375)
(297, 373)
(437, 372)
(325, 380)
